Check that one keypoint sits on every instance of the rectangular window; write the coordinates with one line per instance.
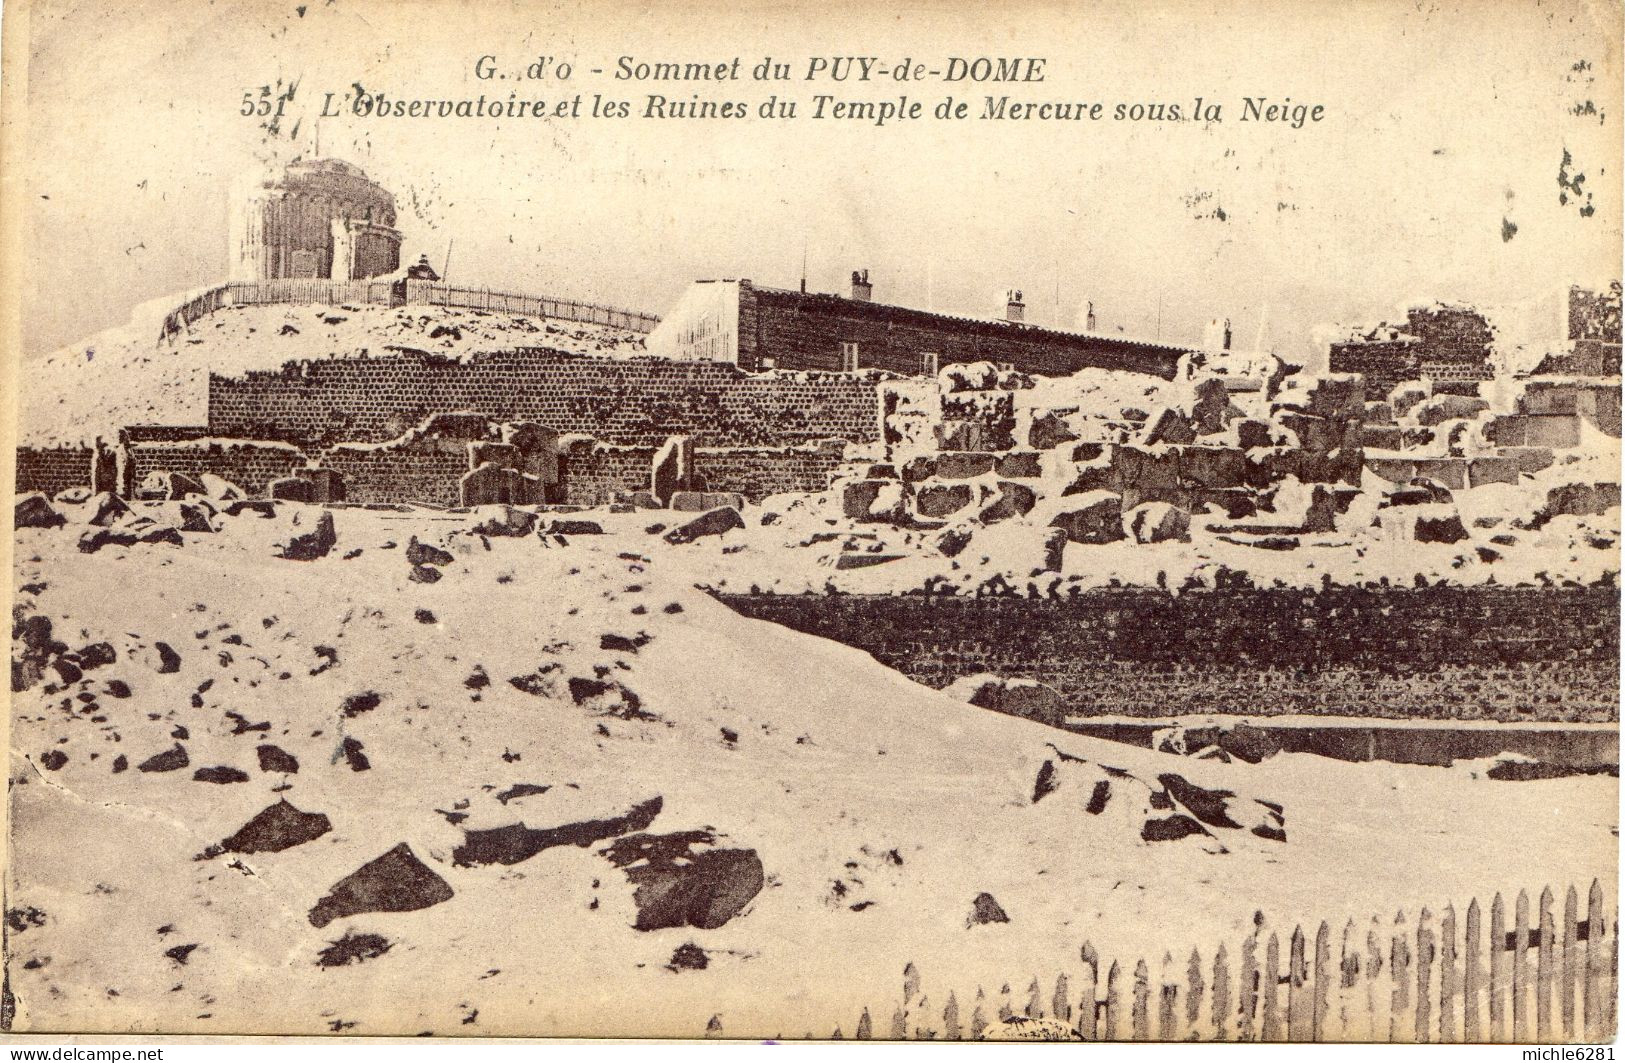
(849, 356)
(928, 364)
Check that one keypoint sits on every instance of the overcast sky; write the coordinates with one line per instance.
(1445, 127)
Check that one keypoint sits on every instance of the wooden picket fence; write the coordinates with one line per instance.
(1546, 976)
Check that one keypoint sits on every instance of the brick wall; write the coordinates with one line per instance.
(1440, 653)
(802, 331)
(636, 402)
(594, 473)
(52, 469)
(251, 466)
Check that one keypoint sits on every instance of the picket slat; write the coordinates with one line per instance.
(1472, 986)
(1596, 925)
(1091, 980)
(1321, 983)
(1448, 985)
(1297, 997)
(950, 1019)
(1195, 989)
(1425, 950)
(1221, 995)
(1543, 970)
(1141, 1009)
(1347, 1000)
(1167, 1001)
(1570, 961)
(1272, 986)
(1378, 1003)
(1520, 968)
(1249, 987)
(1114, 1002)
(1060, 1005)
(1399, 967)
(1498, 964)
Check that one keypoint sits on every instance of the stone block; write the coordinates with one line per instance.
(1253, 434)
(1482, 471)
(1213, 466)
(963, 465)
(1019, 465)
(291, 489)
(1529, 459)
(1382, 437)
(1169, 426)
(1157, 522)
(1379, 413)
(490, 485)
(873, 501)
(326, 485)
(1553, 431)
(1235, 503)
(1451, 472)
(1015, 500)
(504, 454)
(941, 500)
(1094, 518)
(672, 469)
(716, 522)
(1442, 408)
(701, 501)
(1049, 430)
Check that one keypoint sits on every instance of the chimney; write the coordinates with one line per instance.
(1216, 337)
(861, 288)
(1014, 309)
(1089, 318)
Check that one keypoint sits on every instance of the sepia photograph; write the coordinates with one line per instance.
(873, 521)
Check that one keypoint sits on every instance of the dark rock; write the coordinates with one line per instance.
(608, 698)
(172, 759)
(351, 748)
(424, 574)
(220, 774)
(353, 948)
(507, 522)
(517, 842)
(715, 522)
(575, 527)
(1049, 430)
(275, 828)
(675, 885)
(851, 561)
(168, 660)
(423, 554)
(1170, 829)
(1441, 529)
(356, 704)
(1096, 518)
(53, 759)
(120, 763)
(34, 510)
(689, 957)
(1209, 806)
(1015, 500)
(180, 953)
(984, 909)
(277, 759)
(1248, 743)
(108, 509)
(313, 544)
(1158, 522)
(941, 500)
(952, 542)
(424, 616)
(395, 882)
(92, 541)
(261, 506)
(526, 789)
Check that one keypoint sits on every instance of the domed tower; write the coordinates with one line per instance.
(314, 218)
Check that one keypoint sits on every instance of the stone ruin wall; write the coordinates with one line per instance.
(52, 470)
(1495, 653)
(636, 402)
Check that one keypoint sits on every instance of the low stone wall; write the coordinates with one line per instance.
(52, 469)
(1548, 654)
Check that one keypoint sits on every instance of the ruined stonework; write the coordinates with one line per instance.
(1497, 653)
(1442, 343)
(636, 402)
(52, 470)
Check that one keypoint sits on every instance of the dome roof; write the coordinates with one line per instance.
(333, 177)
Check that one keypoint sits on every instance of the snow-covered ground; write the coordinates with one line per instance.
(879, 809)
(125, 376)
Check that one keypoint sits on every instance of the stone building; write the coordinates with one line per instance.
(757, 328)
(1448, 345)
(315, 218)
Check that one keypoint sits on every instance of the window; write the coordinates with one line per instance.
(928, 364)
(769, 362)
(849, 356)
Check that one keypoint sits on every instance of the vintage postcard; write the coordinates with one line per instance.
(764, 520)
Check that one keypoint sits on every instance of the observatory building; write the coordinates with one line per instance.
(316, 218)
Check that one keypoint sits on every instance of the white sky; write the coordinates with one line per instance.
(1442, 122)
